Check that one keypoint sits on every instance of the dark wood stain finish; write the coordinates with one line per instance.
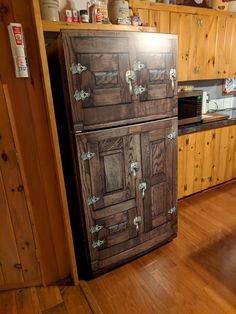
(107, 57)
(122, 222)
(108, 176)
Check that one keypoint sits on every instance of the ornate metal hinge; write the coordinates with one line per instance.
(138, 66)
(172, 210)
(92, 200)
(98, 243)
(87, 156)
(172, 135)
(95, 229)
(81, 95)
(77, 68)
(138, 90)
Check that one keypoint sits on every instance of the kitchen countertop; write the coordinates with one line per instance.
(196, 127)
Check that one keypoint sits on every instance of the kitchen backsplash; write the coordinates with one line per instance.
(214, 89)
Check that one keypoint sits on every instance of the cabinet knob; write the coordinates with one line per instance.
(197, 70)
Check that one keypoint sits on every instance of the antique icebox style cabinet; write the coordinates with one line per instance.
(120, 91)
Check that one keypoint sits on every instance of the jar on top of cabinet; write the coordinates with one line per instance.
(50, 9)
(221, 5)
(118, 9)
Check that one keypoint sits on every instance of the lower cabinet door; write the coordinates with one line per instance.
(159, 171)
(128, 183)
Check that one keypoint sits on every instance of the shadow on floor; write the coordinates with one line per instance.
(218, 258)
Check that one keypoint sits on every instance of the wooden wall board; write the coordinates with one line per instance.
(15, 196)
(49, 108)
(29, 115)
(9, 253)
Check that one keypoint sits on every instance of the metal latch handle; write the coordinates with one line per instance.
(137, 221)
(134, 167)
(142, 188)
(173, 78)
(130, 77)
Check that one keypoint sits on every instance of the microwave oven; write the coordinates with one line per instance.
(190, 107)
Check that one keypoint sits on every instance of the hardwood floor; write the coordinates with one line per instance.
(50, 300)
(195, 273)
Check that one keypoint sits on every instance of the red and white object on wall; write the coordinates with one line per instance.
(18, 49)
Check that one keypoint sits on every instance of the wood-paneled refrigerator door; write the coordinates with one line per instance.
(118, 78)
(129, 190)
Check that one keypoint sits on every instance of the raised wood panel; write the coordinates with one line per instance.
(206, 159)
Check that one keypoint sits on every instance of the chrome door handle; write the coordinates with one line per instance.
(173, 78)
(137, 221)
(142, 188)
(130, 78)
(134, 167)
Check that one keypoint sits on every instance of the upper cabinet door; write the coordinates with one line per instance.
(197, 45)
(107, 73)
(183, 25)
(226, 46)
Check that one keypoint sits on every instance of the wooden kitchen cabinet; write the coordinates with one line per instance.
(128, 190)
(206, 38)
(197, 35)
(154, 18)
(226, 46)
(205, 159)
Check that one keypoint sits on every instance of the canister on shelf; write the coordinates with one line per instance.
(118, 10)
(49, 9)
(232, 6)
(84, 16)
(221, 5)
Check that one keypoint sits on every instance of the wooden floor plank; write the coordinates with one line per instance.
(25, 302)
(58, 309)
(195, 273)
(49, 297)
(7, 303)
(74, 301)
